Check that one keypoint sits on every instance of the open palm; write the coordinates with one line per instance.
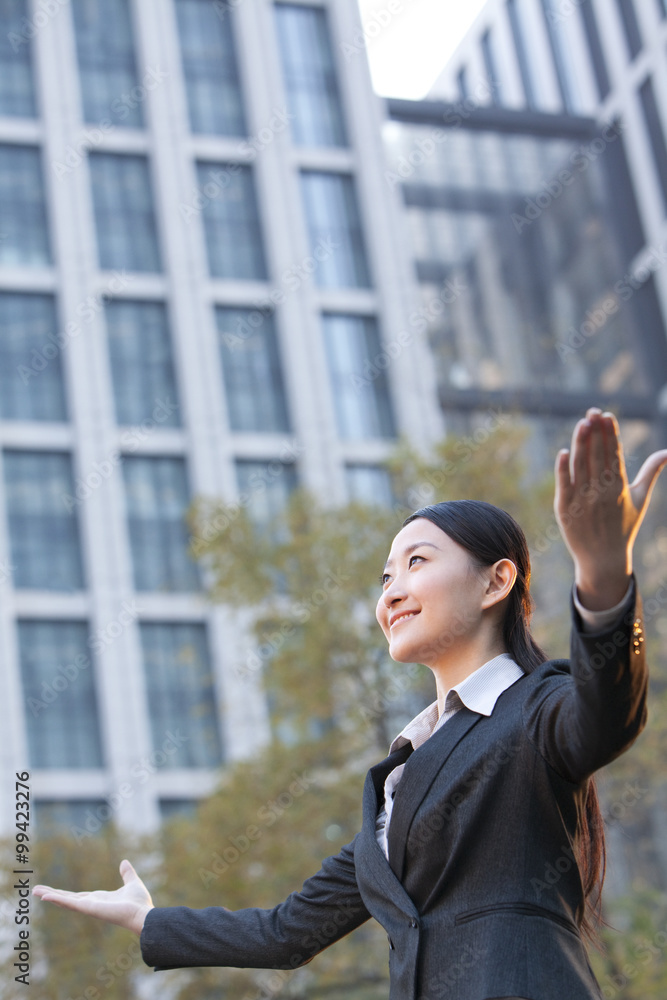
(126, 906)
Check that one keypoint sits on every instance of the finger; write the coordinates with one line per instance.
(646, 478)
(579, 454)
(613, 446)
(564, 490)
(597, 459)
(127, 871)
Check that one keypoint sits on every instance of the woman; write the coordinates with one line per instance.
(481, 845)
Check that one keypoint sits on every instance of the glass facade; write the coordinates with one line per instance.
(157, 500)
(57, 675)
(31, 383)
(309, 72)
(231, 221)
(369, 484)
(124, 215)
(334, 229)
(264, 487)
(17, 96)
(208, 53)
(491, 66)
(628, 16)
(42, 520)
(598, 60)
(357, 368)
(521, 272)
(252, 370)
(180, 694)
(23, 224)
(656, 134)
(142, 366)
(107, 63)
(558, 42)
(521, 52)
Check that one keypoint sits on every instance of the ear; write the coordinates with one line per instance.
(500, 580)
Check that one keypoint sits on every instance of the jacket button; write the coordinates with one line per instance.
(413, 923)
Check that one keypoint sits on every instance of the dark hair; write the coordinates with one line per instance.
(489, 533)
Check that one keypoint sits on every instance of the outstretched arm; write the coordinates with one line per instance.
(598, 511)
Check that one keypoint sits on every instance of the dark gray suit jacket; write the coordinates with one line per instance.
(482, 896)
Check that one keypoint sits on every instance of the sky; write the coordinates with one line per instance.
(410, 41)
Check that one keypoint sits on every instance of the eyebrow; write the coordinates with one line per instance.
(411, 548)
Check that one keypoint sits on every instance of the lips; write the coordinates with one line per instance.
(401, 617)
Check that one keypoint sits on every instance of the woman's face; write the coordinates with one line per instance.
(433, 595)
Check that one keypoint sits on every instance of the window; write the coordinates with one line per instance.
(107, 65)
(252, 370)
(521, 53)
(310, 76)
(82, 817)
(124, 218)
(595, 48)
(31, 385)
(656, 133)
(662, 9)
(265, 487)
(359, 382)
(491, 67)
(43, 524)
(142, 366)
(60, 705)
(25, 240)
(334, 228)
(231, 221)
(205, 32)
(180, 694)
(628, 16)
(16, 88)
(369, 484)
(157, 500)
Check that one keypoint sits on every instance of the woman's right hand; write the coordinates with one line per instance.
(126, 906)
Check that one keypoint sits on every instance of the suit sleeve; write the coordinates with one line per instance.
(583, 719)
(327, 908)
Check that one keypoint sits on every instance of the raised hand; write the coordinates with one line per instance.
(599, 513)
(126, 906)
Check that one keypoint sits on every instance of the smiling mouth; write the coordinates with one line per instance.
(403, 618)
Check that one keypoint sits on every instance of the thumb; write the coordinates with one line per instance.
(647, 476)
(127, 871)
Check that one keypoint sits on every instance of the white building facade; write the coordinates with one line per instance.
(198, 253)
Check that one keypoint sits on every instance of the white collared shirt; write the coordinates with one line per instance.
(479, 692)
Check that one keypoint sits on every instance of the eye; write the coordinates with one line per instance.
(385, 576)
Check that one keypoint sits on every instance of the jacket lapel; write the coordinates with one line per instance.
(421, 770)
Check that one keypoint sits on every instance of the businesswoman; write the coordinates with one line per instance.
(481, 846)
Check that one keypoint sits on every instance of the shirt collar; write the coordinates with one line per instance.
(479, 692)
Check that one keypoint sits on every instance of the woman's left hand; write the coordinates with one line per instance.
(599, 513)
